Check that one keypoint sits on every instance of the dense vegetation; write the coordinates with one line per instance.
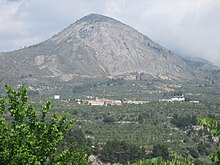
(183, 121)
(147, 126)
(129, 133)
(121, 152)
(213, 126)
(27, 137)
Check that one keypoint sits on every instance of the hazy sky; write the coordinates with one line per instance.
(187, 27)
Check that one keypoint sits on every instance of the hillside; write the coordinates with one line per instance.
(94, 46)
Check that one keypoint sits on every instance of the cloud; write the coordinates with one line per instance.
(31, 21)
(185, 27)
(11, 27)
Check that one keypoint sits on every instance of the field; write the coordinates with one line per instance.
(146, 125)
(173, 124)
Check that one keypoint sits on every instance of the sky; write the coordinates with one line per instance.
(186, 27)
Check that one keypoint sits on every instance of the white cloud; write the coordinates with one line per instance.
(7, 20)
(186, 27)
(12, 28)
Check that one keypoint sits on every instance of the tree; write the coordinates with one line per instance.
(31, 137)
(120, 151)
(181, 121)
(160, 150)
(108, 119)
(177, 160)
(202, 149)
(193, 152)
(213, 127)
(76, 136)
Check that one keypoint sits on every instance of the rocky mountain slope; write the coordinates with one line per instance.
(94, 46)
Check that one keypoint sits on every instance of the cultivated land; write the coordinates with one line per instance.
(99, 57)
(173, 124)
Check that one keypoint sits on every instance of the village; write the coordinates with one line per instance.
(109, 102)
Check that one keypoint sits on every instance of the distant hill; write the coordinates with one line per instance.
(95, 46)
(199, 63)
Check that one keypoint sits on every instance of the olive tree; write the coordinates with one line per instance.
(28, 136)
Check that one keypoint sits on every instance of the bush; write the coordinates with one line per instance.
(120, 152)
(177, 160)
(160, 150)
(183, 121)
(193, 152)
(202, 149)
(108, 120)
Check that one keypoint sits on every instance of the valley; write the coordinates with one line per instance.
(122, 88)
(173, 124)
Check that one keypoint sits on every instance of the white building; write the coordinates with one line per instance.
(56, 97)
(177, 98)
(181, 98)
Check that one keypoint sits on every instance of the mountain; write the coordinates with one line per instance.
(199, 63)
(94, 46)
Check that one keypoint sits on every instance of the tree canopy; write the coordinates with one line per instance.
(213, 126)
(120, 151)
(28, 136)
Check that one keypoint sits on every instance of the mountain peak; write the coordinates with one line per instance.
(96, 46)
(96, 18)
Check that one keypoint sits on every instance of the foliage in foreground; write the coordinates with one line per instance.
(27, 137)
(213, 127)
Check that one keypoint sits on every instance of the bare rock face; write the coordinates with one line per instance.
(95, 46)
(116, 48)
